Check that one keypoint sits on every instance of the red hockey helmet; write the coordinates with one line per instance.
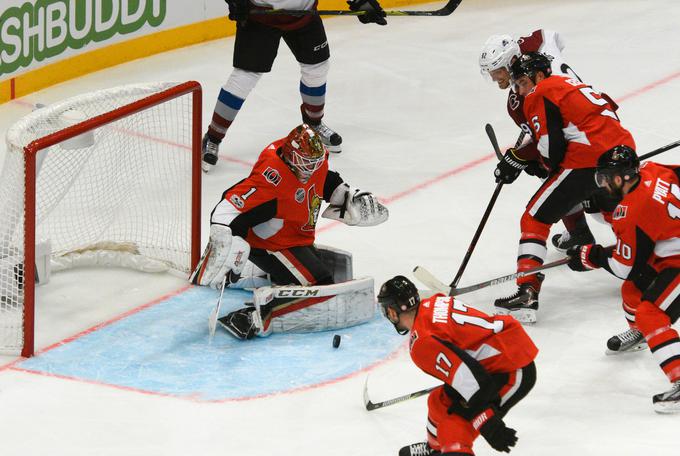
(303, 151)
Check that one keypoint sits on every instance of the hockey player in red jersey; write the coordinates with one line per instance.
(255, 49)
(572, 125)
(499, 52)
(270, 219)
(646, 223)
(486, 364)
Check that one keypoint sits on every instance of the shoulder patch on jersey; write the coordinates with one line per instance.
(237, 201)
(300, 195)
(620, 212)
(272, 176)
(414, 338)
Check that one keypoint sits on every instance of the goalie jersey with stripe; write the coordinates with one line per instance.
(271, 208)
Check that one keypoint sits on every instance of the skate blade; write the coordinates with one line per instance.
(634, 348)
(334, 149)
(524, 316)
(666, 408)
(206, 167)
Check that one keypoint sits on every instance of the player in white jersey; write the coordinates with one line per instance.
(256, 45)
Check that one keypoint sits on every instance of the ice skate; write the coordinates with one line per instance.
(523, 305)
(566, 240)
(628, 341)
(209, 152)
(241, 323)
(418, 449)
(329, 138)
(668, 402)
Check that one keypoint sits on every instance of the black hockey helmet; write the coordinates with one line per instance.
(530, 63)
(618, 161)
(400, 294)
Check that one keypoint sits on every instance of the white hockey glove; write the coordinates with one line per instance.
(355, 207)
(224, 254)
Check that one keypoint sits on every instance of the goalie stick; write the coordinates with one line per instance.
(212, 321)
(376, 405)
(435, 284)
(446, 10)
(494, 142)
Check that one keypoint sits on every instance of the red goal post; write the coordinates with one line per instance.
(109, 178)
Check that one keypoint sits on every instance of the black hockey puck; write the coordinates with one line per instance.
(336, 341)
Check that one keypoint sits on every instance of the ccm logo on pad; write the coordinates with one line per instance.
(297, 293)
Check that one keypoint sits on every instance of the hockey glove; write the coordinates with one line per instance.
(509, 168)
(374, 12)
(494, 430)
(238, 10)
(585, 257)
(535, 168)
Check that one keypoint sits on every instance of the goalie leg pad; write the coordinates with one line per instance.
(223, 254)
(338, 261)
(303, 309)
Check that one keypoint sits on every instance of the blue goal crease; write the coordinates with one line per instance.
(165, 349)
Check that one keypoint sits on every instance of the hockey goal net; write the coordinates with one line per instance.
(109, 178)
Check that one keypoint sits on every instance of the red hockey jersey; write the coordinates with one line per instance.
(271, 208)
(572, 124)
(647, 222)
(444, 325)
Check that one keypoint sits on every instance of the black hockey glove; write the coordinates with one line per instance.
(509, 168)
(535, 168)
(494, 430)
(586, 257)
(374, 12)
(238, 10)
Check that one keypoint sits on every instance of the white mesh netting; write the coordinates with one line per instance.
(124, 187)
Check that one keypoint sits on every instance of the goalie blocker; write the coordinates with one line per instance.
(303, 309)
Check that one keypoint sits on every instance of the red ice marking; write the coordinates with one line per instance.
(648, 87)
(99, 326)
(194, 397)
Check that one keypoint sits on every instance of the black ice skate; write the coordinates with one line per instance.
(209, 151)
(418, 449)
(522, 305)
(668, 402)
(628, 341)
(566, 240)
(329, 138)
(241, 323)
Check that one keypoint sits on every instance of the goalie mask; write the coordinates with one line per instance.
(399, 294)
(303, 152)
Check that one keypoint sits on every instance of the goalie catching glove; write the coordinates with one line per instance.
(355, 207)
(225, 255)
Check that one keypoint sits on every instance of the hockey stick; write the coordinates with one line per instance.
(446, 10)
(670, 146)
(494, 142)
(376, 405)
(435, 284)
(212, 321)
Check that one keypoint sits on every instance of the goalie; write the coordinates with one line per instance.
(269, 218)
